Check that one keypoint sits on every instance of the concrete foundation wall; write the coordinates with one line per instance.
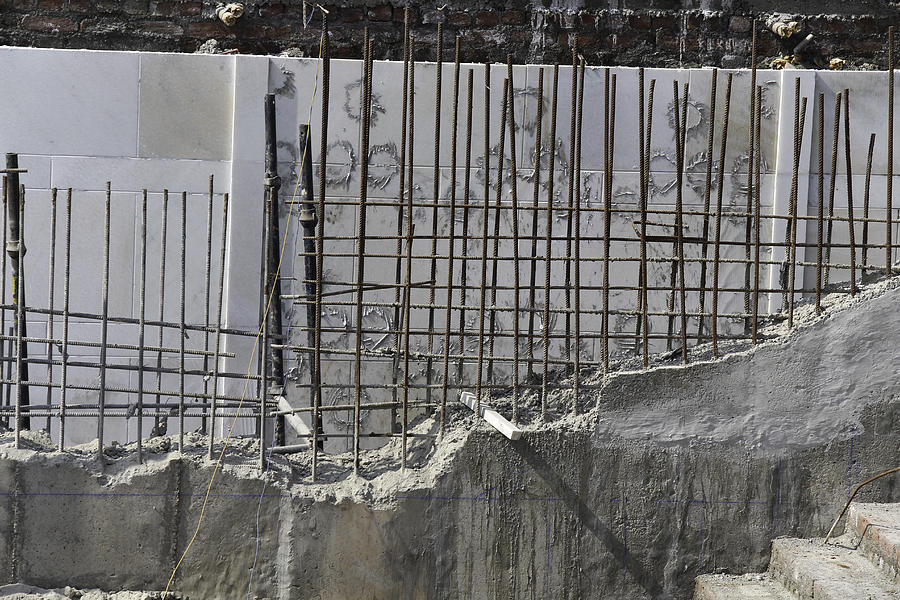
(676, 472)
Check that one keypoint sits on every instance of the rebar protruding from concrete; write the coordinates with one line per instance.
(514, 209)
(609, 133)
(833, 181)
(865, 227)
(104, 326)
(448, 314)
(850, 222)
(361, 256)
(888, 260)
(548, 260)
(718, 234)
(707, 191)
(820, 196)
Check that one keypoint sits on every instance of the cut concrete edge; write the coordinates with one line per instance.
(875, 528)
(753, 586)
(811, 570)
(491, 416)
(805, 317)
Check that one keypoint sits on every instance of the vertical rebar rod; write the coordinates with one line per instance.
(104, 324)
(750, 161)
(361, 253)
(206, 289)
(495, 250)
(429, 375)
(451, 243)
(164, 220)
(548, 243)
(50, 290)
(465, 227)
(5, 387)
(532, 284)
(398, 263)
(833, 181)
(317, 425)
(609, 129)
(820, 196)
(182, 337)
(645, 321)
(410, 230)
(718, 234)
(64, 351)
(851, 224)
(141, 319)
(576, 374)
(757, 211)
(218, 346)
(486, 166)
(681, 137)
(642, 200)
(514, 208)
(865, 227)
(890, 156)
(793, 271)
(790, 247)
(707, 191)
(570, 205)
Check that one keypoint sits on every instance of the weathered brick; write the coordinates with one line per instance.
(459, 19)
(385, 12)
(161, 9)
(208, 29)
(668, 22)
(400, 15)
(740, 24)
(49, 24)
(638, 21)
(513, 17)
(352, 15)
(53, 5)
(487, 18)
(135, 7)
(271, 10)
(162, 27)
(190, 9)
(79, 6)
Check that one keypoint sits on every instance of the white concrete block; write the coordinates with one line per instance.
(186, 106)
(135, 174)
(75, 102)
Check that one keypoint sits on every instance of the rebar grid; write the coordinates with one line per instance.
(623, 276)
(84, 376)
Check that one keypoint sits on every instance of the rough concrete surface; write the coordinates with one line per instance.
(664, 475)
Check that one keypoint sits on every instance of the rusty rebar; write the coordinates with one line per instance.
(849, 192)
(718, 234)
(707, 190)
(865, 227)
(548, 248)
(451, 241)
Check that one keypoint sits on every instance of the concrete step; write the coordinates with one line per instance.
(754, 586)
(876, 528)
(812, 571)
